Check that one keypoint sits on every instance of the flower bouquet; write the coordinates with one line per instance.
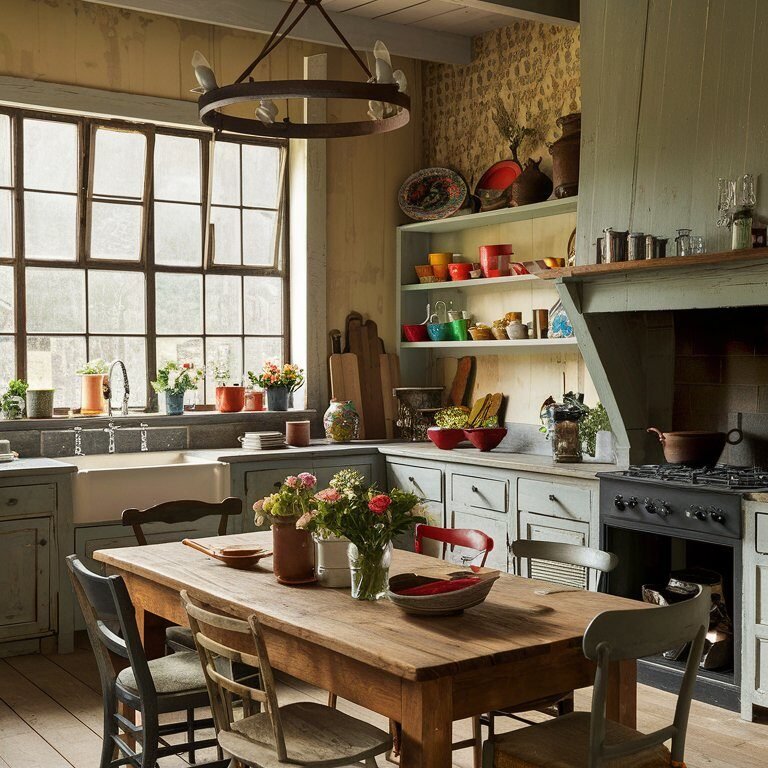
(174, 380)
(279, 383)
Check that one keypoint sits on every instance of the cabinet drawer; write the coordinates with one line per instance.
(23, 500)
(479, 492)
(423, 481)
(554, 499)
(761, 533)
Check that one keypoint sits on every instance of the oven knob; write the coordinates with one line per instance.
(632, 502)
(717, 515)
(665, 510)
(618, 502)
(695, 511)
(650, 507)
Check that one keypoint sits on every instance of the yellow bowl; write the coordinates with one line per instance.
(440, 258)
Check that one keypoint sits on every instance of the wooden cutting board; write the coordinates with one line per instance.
(390, 378)
(363, 341)
(461, 380)
(345, 384)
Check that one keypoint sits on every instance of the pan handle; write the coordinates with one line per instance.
(662, 439)
(735, 436)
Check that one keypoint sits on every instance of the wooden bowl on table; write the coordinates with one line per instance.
(443, 603)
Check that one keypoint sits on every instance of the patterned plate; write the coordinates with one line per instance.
(432, 193)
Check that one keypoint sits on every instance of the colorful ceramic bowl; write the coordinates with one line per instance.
(440, 258)
(439, 331)
(459, 271)
(485, 439)
(441, 271)
(459, 329)
(445, 439)
(415, 333)
(424, 270)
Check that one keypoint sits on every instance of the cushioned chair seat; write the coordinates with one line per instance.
(180, 637)
(564, 743)
(175, 673)
(313, 734)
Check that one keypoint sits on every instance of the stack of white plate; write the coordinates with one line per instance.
(260, 441)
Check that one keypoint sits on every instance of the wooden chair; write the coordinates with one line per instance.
(584, 740)
(173, 512)
(467, 538)
(303, 733)
(170, 684)
(590, 560)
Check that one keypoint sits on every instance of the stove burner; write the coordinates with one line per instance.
(721, 475)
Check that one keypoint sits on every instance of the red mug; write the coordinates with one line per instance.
(494, 259)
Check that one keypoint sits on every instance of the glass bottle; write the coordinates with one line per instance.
(741, 229)
(565, 435)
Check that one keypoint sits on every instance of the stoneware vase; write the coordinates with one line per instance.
(369, 572)
(565, 156)
(532, 185)
(174, 403)
(277, 398)
(230, 399)
(92, 401)
(40, 403)
(341, 421)
(293, 552)
(332, 563)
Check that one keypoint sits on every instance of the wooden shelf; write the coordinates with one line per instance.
(473, 285)
(722, 259)
(489, 218)
(493, 347)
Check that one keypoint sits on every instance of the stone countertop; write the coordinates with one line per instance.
(316, 450)
(34, 467)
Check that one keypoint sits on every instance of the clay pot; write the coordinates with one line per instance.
(230, 399)
(565, 156)
(92, 402)
(532, 185)
(694, 448)
(293, 552)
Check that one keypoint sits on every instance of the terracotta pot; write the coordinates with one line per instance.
(531, 186)
(230, 399)
(694, 449)
(293, 553)
(565, 156)
(92, 401)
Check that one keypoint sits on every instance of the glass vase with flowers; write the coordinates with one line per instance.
(278, 382)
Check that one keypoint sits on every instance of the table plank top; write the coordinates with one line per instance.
(514, 622)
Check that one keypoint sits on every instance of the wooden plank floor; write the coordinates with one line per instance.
(50, 717)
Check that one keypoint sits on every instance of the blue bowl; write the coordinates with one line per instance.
(440, 331)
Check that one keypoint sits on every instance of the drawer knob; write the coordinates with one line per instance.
(552, 497)
(43, 542)
(474, 489)
(12, 502)
(411, 479)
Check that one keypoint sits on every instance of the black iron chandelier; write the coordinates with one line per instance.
(384, 90)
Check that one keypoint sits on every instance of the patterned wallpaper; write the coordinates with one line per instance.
(536, 63)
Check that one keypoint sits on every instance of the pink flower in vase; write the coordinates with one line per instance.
(292, 481)
(307, 480)
(328, 495)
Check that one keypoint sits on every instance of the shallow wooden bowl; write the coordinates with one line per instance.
(445, 604)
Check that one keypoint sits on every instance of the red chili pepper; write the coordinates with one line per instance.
(439, 587)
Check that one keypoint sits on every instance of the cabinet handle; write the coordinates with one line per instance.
(12, 502)
(411, 479)
(552, 497)
(43, 542)
(474, 489)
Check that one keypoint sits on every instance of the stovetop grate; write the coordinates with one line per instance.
(721, 475)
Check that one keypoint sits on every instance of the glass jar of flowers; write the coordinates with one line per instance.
(369, 520)
(293, 558)
(174, 380)
(278, 382)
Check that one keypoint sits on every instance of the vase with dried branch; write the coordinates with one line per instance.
(508, 125)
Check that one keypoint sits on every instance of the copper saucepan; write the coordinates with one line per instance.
(695, 449)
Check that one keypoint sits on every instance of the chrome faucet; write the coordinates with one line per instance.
(108, 388)
(110, 429)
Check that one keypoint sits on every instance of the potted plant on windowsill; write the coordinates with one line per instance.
(94, 374)
(12, 400)
(174, 380)
(279, 383)
(230, 398)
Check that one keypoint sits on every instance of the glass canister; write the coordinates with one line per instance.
(341, 421)
(564, 433)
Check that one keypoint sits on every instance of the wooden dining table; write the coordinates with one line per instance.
(423, 672)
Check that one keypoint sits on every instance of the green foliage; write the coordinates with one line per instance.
(97, 366)
(176, 378)
(594, 420)
(12, 399)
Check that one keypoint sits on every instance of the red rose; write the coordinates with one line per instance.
(379, 504)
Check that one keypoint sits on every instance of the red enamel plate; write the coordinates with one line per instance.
(499, 176)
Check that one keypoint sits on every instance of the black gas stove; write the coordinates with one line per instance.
(733, 478)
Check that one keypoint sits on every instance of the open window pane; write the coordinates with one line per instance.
(7, 293)
(223, 352)
(116, 302)
(261, 176)
(5, 151)
(6, 223)
(226, 241)
(178, 235)
(179, 304)
(115, 231)
(50, 226)
(133, 352)
(7, 358)
(50, 155)
(226, 173)
(119, 162)
(177, 168)
(52, 362)
(223, 304)
(263, 305)
(55, 300)
(259, 238)
(259, 350)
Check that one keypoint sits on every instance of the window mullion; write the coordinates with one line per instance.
(20, 306)
(148, 259)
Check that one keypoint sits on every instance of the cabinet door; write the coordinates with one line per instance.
(261, 483)
(25, 597)
(541, 528)
(494, 526)
(325, 470)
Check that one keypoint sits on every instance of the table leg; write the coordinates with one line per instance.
(427, 709)
(152, 632)
(621, 700)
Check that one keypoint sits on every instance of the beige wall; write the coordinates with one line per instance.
(79, 43)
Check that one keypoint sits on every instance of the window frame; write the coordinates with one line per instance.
(87, 127)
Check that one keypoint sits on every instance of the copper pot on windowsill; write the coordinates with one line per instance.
(695, 448)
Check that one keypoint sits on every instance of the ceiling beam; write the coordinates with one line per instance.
(263, 15)
(564, 13)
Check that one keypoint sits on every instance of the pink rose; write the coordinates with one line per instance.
(379, 504)
(258, 506)
(292, 481)
(328, 495)
(308, 480)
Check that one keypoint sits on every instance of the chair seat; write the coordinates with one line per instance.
(314, 735)
(180, 639)
(175, 673)
(564, 743)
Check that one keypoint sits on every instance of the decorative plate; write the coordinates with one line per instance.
(499, 176)
(432, 193)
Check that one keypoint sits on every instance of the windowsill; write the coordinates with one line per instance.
(134, 419)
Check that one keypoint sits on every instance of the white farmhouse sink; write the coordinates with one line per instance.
(105, 485)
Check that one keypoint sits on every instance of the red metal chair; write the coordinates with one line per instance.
(467, 538)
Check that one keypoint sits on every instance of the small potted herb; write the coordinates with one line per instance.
(174, 380)
(12, 400)
(230, 398)
(279, 383)
(94, 373)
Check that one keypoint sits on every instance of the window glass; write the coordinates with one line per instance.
(6, 223)
(116, 302)
(263, 304)
(50, 226)
(259, 238)
(179, 304)
(178, 235)
(55, 300)
(50, 155)
(223, 352)
(7, 358)
(262, 348)
(6, 163)
(52, 362)
(115, 231)
(261, 176)
(7, 293)
(226, 173)
(132, 350)
(119, 162)
(223, 304)
(226, 235)
(177, 168)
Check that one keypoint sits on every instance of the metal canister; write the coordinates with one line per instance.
(661, 247)
(615, 245)
(651, 251)
(600, 250)
(635, 246)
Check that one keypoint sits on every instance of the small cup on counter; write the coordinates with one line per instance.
(297, 433)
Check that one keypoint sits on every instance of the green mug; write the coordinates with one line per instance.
(458, 330)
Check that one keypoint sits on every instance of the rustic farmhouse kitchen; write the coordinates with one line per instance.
(383, 382)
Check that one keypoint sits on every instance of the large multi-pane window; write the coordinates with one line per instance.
(137, 242)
